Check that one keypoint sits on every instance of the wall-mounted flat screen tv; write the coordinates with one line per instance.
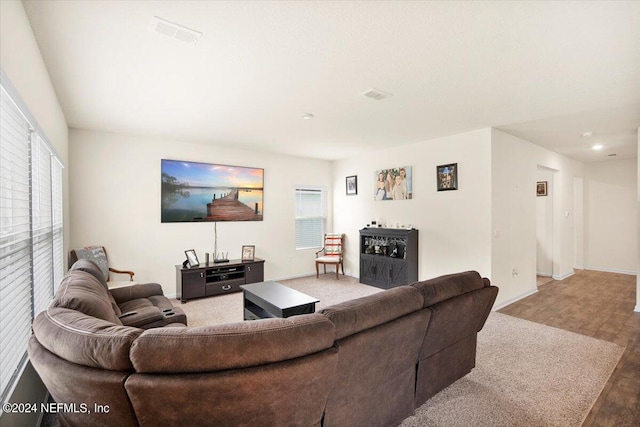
(195, 192)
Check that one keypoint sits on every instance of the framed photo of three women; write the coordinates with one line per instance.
(393, 184)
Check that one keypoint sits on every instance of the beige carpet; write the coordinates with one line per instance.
(526, 374)
(228, 308)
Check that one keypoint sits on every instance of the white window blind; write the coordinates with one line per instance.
(31, 246)
(57, 221)
(41, 211)
(311, 217)
(15, 240)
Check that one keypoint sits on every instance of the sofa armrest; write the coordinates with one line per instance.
(128, 293)
(141, 317)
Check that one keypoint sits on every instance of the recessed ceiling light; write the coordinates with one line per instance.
(307, 116)
(598, 147)
(587, 134)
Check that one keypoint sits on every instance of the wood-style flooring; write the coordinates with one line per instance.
(599, 305)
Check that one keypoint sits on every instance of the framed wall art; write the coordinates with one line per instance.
(200, 192)
(447, 177)
(393, 184)
(541, 188)
(352, 185)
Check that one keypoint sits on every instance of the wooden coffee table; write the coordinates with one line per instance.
(264, 300)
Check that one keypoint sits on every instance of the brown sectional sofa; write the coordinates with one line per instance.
(365, 362)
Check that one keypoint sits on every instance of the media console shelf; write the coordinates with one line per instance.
(388, 257)
(216, 279)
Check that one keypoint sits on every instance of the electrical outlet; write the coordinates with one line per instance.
(514, 272)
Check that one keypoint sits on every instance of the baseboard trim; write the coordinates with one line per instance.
(538, 273)
(612, 270)
(512, 300)
(637, 309)
(563, 276)
(295, 276)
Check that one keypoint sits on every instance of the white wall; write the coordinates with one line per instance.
(454, 226)
(514, 173)
(611, 215)
(22, 63)
(115, 188)
(544, 225)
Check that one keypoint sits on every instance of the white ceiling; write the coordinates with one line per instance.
(543, 71)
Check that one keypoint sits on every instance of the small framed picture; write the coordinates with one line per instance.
(541, 188)
(248, 252)
(352, 185)
(447, 177)
(192, 258)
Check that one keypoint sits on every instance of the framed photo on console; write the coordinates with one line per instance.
(248, 252)
(192, 258)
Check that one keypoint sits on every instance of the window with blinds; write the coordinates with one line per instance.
(311, 217)
(31, 231)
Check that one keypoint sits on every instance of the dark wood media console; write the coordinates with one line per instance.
(216, 279)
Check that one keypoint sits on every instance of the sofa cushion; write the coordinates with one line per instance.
(142, 290)
(85, 340)
(444, 287)
(81, 291)
(141, 317)
(230, 346)
(152, 312)
(353, 316)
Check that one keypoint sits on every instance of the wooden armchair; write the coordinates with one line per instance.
(98, 254)
(333, 250)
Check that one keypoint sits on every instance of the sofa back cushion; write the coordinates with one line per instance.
(84, 339)
(90, 267)
(230, 346)
(379, 339)
(70, 383)
(457, 318)
(83, 292)
(353, 316)
(451, 285)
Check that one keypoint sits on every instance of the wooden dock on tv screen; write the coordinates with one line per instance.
(229, 208)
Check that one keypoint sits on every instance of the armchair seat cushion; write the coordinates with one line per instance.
(328, 259)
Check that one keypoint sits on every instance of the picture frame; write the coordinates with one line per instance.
(248, 252)
(541, 188)
(192, 258)
(351, 184)
(447, 177)
(210, 192)
(393, 184)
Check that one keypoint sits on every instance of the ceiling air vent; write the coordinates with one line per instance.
(376, 94)
(175, 31)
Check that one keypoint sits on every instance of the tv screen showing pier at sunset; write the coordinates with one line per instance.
(196, 192)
